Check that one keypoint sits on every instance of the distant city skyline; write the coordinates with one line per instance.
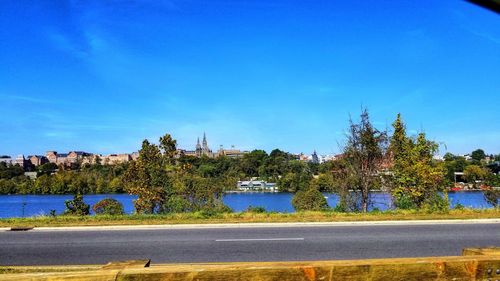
(101, 76)
(208, 148)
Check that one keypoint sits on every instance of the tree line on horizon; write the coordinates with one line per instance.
(371, 160)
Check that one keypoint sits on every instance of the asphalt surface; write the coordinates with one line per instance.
(243, 244)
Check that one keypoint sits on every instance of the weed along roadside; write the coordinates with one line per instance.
(246, 217)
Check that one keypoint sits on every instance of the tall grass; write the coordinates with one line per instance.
(247, 217)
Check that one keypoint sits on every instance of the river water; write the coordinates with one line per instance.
(36, 205)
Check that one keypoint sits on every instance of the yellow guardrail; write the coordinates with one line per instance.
(474, 264)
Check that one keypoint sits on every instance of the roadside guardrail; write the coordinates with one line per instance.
(474, 264)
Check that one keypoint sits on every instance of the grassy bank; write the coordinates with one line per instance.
(246, 217)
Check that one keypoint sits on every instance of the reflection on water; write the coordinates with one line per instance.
(33, 205)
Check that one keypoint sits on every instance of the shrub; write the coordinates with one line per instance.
(214, 211)
(492, 196)
(108, 206)
(77, 206)
(176, 204)
(340, 208)
(221, 208)
(404, 202)
(257, 209)
(309, 200)
(437, 203)
(459, 206)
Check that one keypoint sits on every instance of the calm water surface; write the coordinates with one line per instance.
(35, 205)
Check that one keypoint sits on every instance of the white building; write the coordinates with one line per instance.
(256, 185)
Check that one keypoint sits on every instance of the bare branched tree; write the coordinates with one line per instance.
(363, 156)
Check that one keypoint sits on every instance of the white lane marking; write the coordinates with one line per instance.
(259, 239)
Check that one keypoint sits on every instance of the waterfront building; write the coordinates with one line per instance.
(256, 185)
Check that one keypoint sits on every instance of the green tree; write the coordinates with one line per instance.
(458, 164)
(7, 186)
(297, 178)
(275, 165)
(325, 182)
(478, 154)
(76, 206)
(148, 179)
(309, 200)
(400, 144)
(475, 173)
(195, 193)
(164, 183)
(108, 206)
(416, 177)
(24, 185)
(116, 185)
(43, 184)
(8, 171)
(251, 163)
(47, 168)
(168, 147)
(449, 157)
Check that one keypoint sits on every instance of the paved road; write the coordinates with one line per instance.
(243, 244)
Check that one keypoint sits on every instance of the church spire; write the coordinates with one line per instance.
(198, 145)
(204, 145)
(315, 158)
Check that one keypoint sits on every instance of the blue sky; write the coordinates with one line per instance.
(100, 76)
